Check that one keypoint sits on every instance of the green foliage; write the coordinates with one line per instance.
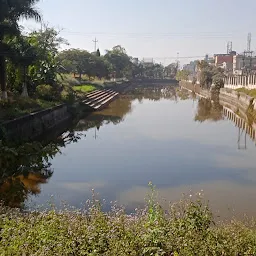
(47, 66)
(68, 96)
(10, 13)
(171, 70)
(182, 75)
(251, 92)
(84, 88)
(22, 106)
(210, 75)
(44, 91)
(120, 62)
(187, 228)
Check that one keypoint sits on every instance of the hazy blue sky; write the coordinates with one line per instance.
(153, 28)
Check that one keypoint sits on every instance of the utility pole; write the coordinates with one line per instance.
(95, 44)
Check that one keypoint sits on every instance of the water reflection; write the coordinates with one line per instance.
(147, 135)
(25, 167)
(208, 109)
(154, 93)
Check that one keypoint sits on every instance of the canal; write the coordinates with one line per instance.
(181, 143)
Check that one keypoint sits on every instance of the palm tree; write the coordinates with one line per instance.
(10, 13)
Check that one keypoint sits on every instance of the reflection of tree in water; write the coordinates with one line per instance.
(23, 168)
(154, 93)
(208, 110)
(184, 94)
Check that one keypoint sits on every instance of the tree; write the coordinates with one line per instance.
(119, 60)
(25, 55)
(182, 75)
(209, 75)
(10, 13)
(47, 43)
(171, 70)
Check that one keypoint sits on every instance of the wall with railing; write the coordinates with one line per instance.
(235, 82)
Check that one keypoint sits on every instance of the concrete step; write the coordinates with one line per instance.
(92, 93)
(101, 99)
(96, 98)
(95, 92)
(106, 101)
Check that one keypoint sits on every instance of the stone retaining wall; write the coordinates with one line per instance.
(34, 125)
(237, 99)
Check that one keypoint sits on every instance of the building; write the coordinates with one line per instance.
(224, 61)
(243, 64)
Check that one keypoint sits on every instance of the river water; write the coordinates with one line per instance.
(181, 143)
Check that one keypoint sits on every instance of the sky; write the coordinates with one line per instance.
(159, 29)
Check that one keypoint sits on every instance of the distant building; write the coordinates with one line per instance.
(148, 63)
(224, 61)
(242, 64)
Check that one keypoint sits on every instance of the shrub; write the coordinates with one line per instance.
(68, 96)
(45, 92)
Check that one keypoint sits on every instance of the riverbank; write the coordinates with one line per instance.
(187, 228)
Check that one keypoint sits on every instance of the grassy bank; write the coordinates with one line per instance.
(251, 92)
(186, 229)
(16, 108)
(84, 88)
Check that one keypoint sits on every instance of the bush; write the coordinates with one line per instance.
(45, 92)
(187, 228)
(68, 96)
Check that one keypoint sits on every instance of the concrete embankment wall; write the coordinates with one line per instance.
(31, 126)
(236, 100)
(196, 88)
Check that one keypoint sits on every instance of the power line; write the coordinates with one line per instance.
(150, 35)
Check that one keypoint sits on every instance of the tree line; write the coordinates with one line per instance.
(34, 59)
(206, 75)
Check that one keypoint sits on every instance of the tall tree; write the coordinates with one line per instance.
(10, 13)
(24, 55)
(119, 60)
(47, 42)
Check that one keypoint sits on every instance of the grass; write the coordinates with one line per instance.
(187, 228)
(16, 108)
(251, 92)
(84, 88)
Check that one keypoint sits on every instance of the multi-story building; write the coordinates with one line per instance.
(243, 63)
(224, 61)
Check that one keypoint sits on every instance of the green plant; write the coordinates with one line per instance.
(84, 88)
(68, 96)
(44, 91)
(187, 228)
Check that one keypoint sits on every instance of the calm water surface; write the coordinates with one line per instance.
(174, 141)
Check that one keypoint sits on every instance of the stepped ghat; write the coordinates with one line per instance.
(99, 99)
